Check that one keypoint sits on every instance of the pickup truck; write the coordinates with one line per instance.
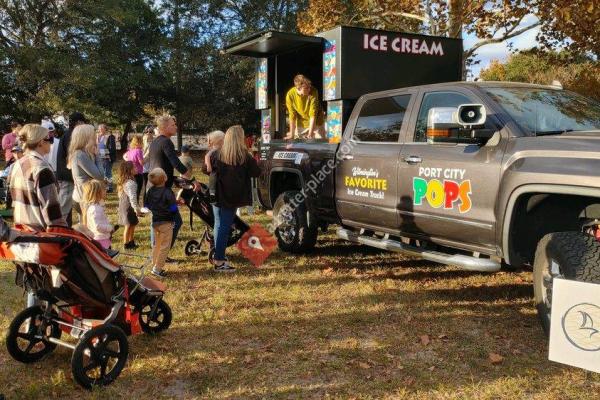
(481, 175)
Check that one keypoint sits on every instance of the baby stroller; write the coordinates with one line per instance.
(198, 203)
(81, 292)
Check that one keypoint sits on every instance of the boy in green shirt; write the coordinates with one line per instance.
(304, 109)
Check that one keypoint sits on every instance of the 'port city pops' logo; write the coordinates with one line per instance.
(449, 191)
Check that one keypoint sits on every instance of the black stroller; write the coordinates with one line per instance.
(198, 203)
(84, 293)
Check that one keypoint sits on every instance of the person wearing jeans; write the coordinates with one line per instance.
(107, 152)
(234, 167)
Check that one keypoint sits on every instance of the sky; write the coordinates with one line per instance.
(500, 51)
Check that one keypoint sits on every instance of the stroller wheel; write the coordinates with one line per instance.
(100, 356)
(28, 334)
(158, 321)
(192, 248)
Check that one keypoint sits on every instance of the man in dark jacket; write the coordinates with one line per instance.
(63, 174)
(162, 154)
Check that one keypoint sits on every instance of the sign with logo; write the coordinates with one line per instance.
(448, 189)
(575, 324)
(257, 244)
(366, 183)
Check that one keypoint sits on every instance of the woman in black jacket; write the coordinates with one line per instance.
(234, 167)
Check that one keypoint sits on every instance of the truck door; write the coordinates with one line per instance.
(367, 170)
(448, 191)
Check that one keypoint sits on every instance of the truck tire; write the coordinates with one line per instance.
(293, 232)
(569, 255)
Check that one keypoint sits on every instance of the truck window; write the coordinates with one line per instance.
(380, 119)
(436, 99)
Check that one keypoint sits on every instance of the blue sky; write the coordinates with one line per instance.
(500, 51)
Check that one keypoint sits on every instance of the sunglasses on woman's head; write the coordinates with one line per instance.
(49, 139)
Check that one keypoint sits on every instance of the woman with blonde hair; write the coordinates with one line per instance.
(136, 156)
(147, 139)
(82, 161)
(234, 167)
(33, 186)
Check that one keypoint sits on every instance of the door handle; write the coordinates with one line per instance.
(347, 157)
(413, 159)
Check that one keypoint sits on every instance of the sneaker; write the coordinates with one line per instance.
(160, 274)
(225, 267)
(130, 245)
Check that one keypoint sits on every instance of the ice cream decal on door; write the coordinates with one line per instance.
(366, 183)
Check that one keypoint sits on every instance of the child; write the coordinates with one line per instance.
(187, 161)
(136, 156)
(161, 202)
(215, 142)
(94, 216)
(128, 205)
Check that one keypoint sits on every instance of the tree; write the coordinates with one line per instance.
(571, 21)
(492, 21)
(575, 72)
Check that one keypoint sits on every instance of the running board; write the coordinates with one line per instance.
(465, 262)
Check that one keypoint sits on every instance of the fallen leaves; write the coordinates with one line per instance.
(425, 340)
(364, 365)
(495, 358)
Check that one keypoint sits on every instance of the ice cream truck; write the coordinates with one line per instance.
(343, 64)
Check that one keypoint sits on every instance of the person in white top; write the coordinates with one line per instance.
(94, 214)
(51, 157)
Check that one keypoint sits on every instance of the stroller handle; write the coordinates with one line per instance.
(36, 239)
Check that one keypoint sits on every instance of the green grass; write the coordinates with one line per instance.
(343, 322)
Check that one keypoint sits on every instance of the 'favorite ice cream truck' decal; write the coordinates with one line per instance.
(366, 183)
(446, 188)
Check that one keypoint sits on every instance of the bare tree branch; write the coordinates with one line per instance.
(509, 34)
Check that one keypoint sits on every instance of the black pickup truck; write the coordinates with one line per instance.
(476, 175)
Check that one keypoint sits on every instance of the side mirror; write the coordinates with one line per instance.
(440, 123)
(463, 124)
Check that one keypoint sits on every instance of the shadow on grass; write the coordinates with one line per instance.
(311, 356)
(334, 351)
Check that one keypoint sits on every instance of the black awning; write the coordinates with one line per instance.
(269, 43)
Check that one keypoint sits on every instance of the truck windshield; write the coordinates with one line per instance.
(548, 111)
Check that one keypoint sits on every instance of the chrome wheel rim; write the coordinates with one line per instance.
(286, 225)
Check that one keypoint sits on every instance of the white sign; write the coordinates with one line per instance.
(285, 155)
(575, 324)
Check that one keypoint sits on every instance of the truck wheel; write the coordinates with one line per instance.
(294, 235)
(569, 255)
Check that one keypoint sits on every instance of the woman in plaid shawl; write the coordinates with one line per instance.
(32, 183)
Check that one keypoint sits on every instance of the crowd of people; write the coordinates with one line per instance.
(64, 181)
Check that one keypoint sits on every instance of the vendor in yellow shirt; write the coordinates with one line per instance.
(304, 109)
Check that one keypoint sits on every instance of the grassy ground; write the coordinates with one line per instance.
(343, 322)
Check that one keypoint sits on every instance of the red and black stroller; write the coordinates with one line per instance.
(199, 204)
(82, 292)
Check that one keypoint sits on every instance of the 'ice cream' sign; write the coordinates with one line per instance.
(400, 44)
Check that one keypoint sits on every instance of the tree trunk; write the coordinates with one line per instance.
(178, 70)
(456, 19)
